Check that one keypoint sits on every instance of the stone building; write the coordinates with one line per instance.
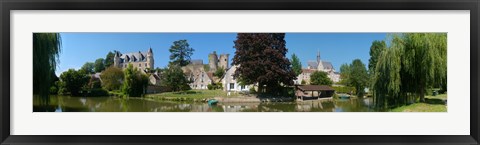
(230, 83)
(201, 74)
(200, 79)
(325, 66)
(140, 60)
(155, 79)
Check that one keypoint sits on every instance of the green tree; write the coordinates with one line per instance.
(109, 59)
(180, 53)
(112, 78)
(135, 83)
(345, 74)
(320, 78)
(88, 67)
(175, 79)
(219, 72)
(424, 60)
(375, 50)
(358, 76)
(260, 58)
(54, 87)
(386, 84)
(74, 81)
(296, 65)
(46, 50)
(99, 65)
(411, 64)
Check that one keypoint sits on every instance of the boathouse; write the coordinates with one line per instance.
(313, 91)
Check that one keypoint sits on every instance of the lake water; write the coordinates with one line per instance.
(114, 104)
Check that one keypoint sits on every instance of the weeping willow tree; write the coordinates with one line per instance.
(424, 61)
(46, 50)
(386, 79)
(411, 64)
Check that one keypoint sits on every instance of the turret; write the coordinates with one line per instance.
(150, 60)
(116, 59)
(212, 61)
(223, 61)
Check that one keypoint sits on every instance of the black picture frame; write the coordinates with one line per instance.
(8, 5)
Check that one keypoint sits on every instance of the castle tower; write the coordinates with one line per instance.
(150, 60)
(223, 61)
(212, 61)
(116, 59)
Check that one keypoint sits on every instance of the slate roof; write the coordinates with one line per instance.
(327, 65)
(312, 64)
(133, 57)
(315, 88)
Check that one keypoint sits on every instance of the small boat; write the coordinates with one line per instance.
(343, 96)
(212, 102)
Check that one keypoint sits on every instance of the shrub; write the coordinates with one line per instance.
(303, 82)
(215, 86)
(53, 90)
(252, 90)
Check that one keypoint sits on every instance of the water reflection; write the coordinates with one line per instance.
(113, 104)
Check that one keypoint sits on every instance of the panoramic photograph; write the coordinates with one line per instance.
(239, 72)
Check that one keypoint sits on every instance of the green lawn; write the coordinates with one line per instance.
(421, 107)
(192, 94)
(432, 104)
(441, 96)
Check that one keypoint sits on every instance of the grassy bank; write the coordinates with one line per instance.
(191, 95)
(432, 104)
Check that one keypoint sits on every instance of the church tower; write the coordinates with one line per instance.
(318, 56)
(319, 61)
(150, 58)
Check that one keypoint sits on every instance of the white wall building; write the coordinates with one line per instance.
(230, 83)
(200, 79)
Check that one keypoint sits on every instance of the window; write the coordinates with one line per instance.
(139, 65)
(201, 87)
(145, 64)
(232, 86)
(243, 87)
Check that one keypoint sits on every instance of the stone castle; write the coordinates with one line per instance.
(139, 60)
(201, 74)
(216, 62)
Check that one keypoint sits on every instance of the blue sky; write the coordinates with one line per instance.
(338, 48)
